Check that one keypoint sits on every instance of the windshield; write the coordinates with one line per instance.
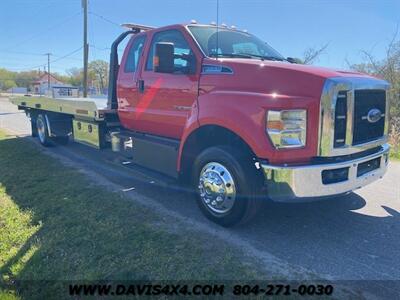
(232, 43)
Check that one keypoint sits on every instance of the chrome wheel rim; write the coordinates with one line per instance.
(41, 129)
(217, 188)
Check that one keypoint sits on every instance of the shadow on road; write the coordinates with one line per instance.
(337, 236)
(331, 237)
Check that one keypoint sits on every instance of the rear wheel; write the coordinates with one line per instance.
(227, 185)
(42, 130)
(33, 125)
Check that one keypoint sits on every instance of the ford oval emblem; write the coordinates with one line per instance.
(374, 115)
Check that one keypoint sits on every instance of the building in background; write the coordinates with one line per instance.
(18, 90)
(41, 86)
(63, 91)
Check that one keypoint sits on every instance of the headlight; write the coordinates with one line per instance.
(287, 128)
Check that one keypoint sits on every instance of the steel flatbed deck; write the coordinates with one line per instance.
(86, 108)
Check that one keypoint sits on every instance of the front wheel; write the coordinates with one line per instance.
(227, 185)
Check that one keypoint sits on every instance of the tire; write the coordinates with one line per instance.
(33, 126)
(42, 131)
(228, 180)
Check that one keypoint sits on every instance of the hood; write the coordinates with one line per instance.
(314, 70)
(307, 69)
(266, 76)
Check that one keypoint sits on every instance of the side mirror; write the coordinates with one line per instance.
(163, 60)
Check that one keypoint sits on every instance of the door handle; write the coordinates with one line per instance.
(181, 107)
(140, 84)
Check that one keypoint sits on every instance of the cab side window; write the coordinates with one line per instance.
(134, 54)
(184, 62)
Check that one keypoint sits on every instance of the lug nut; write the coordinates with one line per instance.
(219, 199)
(213, 203)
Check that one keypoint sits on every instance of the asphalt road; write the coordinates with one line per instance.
(354, 237)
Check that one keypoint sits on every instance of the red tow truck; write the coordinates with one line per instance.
(224, 112)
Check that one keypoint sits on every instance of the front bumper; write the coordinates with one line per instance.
(294, 183)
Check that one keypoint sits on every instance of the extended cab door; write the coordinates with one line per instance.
(165, 100)
(128, 80)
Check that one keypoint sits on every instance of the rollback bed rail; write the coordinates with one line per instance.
(112, 102)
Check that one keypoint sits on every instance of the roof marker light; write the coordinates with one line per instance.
(193, 22)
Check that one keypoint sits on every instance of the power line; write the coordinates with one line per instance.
(42, 66)
(31, 37)
(52, 61)
(21, 52)
(31, 54)
(67, 55)
(100, 48)
(105, 19)
(69, 58)
(33, 14)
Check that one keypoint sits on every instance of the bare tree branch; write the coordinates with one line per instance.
(387, 68)
(312, 54)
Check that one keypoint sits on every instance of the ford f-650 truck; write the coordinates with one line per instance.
(221, 110)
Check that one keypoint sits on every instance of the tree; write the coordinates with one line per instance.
(100, 70)
(387, 68)
(7, 79)
(25, 79)
(8, 84)
(312, 54)
(75, 76)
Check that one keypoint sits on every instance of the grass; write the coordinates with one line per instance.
(56, 225)
(394, 155)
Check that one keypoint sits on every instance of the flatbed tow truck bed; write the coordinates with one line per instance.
(86, 119)
(91, 122)
(85, 108)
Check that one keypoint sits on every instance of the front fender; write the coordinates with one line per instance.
(244, 113)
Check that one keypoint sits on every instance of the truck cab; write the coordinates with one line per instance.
(158, 102)
(268, 126)
(228, 115)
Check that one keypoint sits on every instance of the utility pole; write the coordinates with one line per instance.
(85, 48)
(48, 71)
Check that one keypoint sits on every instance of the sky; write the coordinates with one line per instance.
(31, 28)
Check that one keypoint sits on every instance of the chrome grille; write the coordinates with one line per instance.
(364, 102)
(340, 119)
(345, 102)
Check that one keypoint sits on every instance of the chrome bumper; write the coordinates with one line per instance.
(294, 183)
